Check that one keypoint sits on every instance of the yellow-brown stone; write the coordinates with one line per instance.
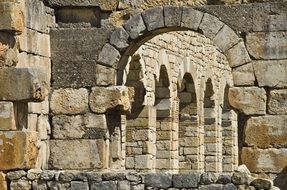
(12, 18)
(264, 160)
(3, 183)
(18, 150)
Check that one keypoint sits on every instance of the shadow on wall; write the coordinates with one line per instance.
(281, 179)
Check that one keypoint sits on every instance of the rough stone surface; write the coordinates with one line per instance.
(249, 100)
(69, 101)
(172, 16)
(185, 180)
(244, 75)
(90, 126)
(270, 131)
(33, 85)
(238, 55)
(109, 56)
(3, 183)
(153, 18)
(73, 62)
(239, 178)
(277, 103)
(21, 184)
(267, 45)
(78, 154)
(12, 18)
(226, 38)
(119, 38)
(158, 180)
(7, 117)
(104, 75)
(210, 25)
(104, 98)
(261, 184)
(104, 185)
(208, 178)
(265, 73)
(18, 150)
(135, 26)
(264, 160)
(191, 18)
(77, 185)
(14, 175)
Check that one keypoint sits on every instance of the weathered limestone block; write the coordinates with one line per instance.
(267, 45)
(135, 26)
(39, 107)
(18, 150)
(69, 101)
(12, 18)
(103, 4)
(90, 126)
(20, 184)
(76, 154)
(249, 100)
(153, 18)
(264, 160)
(23, 84)
(266, 131)
(77, 185)
(271, 73)
(119, 38)
(7, 117)
(269, 17)
(172, 16)
(3, 182)
(210, 25)
(244, 75)
(191, 18)
(277, 103)
(109, 56)
(43, 127)
(35, 42)
(261, 184)
(226, 38)
(238, 55)
(104, 75)
(105, 98)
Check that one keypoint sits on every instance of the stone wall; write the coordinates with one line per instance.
(118, 85)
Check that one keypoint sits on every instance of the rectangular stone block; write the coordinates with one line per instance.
(12, 17)
(277, 103)
(267, 45)
(269, 130)
(69, 101)
(271, 73)
(7, 117)
(18, 150)
(89, 126)
(35, 42)
(77, 154)
(75, 63)
(103, 4)
(33, 85)
(249, 100)
(264, 160)
(243, 75)
(269, 17)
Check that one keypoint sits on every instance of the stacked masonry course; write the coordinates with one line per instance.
(143, 94)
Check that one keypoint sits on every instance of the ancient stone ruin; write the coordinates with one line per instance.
(143, 94)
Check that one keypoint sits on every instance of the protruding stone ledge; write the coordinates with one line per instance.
(18, 150)
(12, 18)
(23, 84)
(270, 131)
(249, 100)
(116, 97)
